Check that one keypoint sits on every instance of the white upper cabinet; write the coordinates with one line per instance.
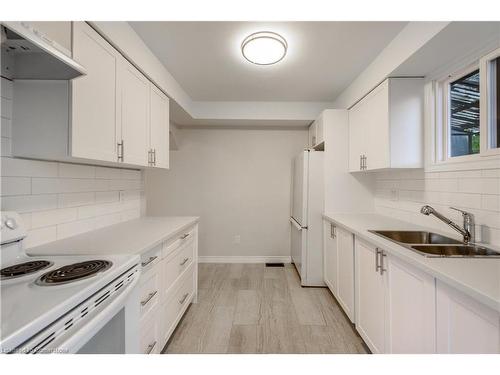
(133, 104)
(386, 127)
(93, 97)
(111, 115)
(316, 132)
(159, 128)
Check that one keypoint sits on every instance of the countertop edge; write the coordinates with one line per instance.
(398, 251)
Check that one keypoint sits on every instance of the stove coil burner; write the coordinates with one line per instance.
(74, 272)
(23, 269)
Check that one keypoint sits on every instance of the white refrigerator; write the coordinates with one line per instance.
(306, 217)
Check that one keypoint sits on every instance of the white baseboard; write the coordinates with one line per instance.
(245, 259)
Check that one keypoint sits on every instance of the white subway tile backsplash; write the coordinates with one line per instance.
(76, 171)
(52, 217)
(28, 168)
(108, 173)
(6, 108)
(5, 147)
(15, 186)
(29, 203)
(107, 196)
(75, 227)
(76, 199)
(477, 191)
(130, 174)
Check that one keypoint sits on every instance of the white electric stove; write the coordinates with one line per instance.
(65, 304)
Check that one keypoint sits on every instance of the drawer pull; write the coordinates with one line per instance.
(150, 295)
(183, 299)
(150, 348)
(144, 264)
(184, 262)
(184, 236)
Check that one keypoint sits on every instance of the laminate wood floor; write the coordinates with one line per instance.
(248, 308)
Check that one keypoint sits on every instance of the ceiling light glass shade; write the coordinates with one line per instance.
(264, 48)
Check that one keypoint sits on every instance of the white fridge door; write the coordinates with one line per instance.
(299, 188)
(298, 247)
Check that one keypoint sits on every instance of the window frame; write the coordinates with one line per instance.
(444, 120)
(486, 93)
(437, 124)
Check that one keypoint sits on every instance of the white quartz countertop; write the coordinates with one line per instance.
(131, 237)
(476, 277)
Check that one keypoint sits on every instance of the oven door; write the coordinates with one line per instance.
(108, 322)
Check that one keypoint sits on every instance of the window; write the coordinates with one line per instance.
(493, 120)
(463, 115)
(467, 122)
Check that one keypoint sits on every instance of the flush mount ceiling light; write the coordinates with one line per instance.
(264, 48)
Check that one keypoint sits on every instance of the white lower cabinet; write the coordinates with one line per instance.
(168, 285)
(370, 297)
(395, 303)
(338, 266)
(465, 325)
(345, 274)
(330, 257)
(410, 309)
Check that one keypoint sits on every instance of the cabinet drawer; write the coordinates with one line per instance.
(182, 239)
(150, 291)
(150, 335)
(173, 309)
(176, 264)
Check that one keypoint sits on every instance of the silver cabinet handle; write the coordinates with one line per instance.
(184, 261)
(148, 298)
(332, 231)
(382, 255)
(154, 156)
(377, 259)
(365, 164)
(183, 299)
(144, 264)
(120, 150)
(150, 348)
(184, 236)
(360, 162)
(149, 157)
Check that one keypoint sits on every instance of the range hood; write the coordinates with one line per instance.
(27, 54)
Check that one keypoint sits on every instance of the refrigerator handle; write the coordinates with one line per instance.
(295, 224)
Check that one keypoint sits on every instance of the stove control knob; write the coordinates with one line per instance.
(10, 223)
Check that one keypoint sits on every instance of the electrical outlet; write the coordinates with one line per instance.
(394, 195)
(237, 239)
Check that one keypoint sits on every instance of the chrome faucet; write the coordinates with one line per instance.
(468, 226)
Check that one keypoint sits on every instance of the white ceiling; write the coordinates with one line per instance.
(323, 57)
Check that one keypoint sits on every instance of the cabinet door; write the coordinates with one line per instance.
(159, 127)
(345, 297)
(465, 325)
(410, 309)
(377, 128)
(319, 129)
(357, 136)
(93, 97)
(312, 134)
(134, 114)
(370, 298)
(330, 257)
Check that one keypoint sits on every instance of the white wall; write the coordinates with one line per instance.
(58, 200)
(237, 181)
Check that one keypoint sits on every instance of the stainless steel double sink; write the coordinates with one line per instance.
(431, 244)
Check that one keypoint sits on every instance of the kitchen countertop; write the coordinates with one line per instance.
(476, 277)
(130, 237)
